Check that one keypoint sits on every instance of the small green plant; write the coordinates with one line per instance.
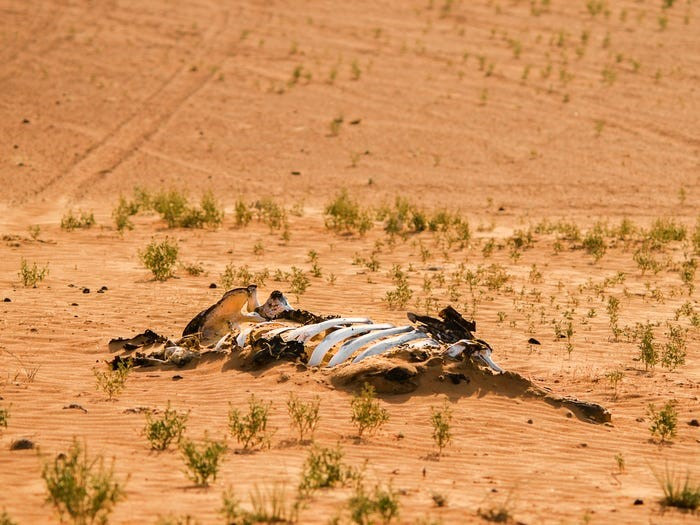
(250, 429)
(679, 491)
(688, 269)
(648, 351)
(32, 275)
(193, 269)
(380, 505)
(271, 213)
(367, 414)
(268, 506)
(161, 431)
(663, 421)
(122, 214)
(113, 381)
(665, 230)
(298, 281)
(594, 244)
(615, 377)
(304, 416)
(323, 468)
(34, 231)
(613, 310)
(401, 294)
(202, 462)
(335, 126)
(675, 349)
(82, 488)
(72, 222)
(160, 258)
(499, 512)
(620, 462)
(439, 499)
(243, 214)
(441, 418)
(344, 214)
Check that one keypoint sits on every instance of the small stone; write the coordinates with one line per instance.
(25, 121)
(530, 421)
(103, 289)
(74, 406)
(640, 420)
(22, 444)
(533, 341)
(212, 285)
(569, 414)
(639, 501)
(177, 377)
(74, 304)
(296, 173)
(86, 290)
(694, 423)
(7, 300)
(501, 208)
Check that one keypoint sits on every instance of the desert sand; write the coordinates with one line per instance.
(507, 113)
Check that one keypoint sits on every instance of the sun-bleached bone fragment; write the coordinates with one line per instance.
(341, 335)
(349, 348)
(383, 346)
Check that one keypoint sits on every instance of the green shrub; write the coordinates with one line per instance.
(367, 414)
(323, 468)
(82, 488)
(202, 462)
(440, 419)
(664, 230)
(243, 214)
(664, 421)
(271, 214)
(696, 237)
(32, 275)
(402, 293)
(679, 491)
(381, 505)
(594, 244)
(160, 258)
(344, 214)
(176, 210)
(675, 349)
(113, 381)
(613, 310)
(122, 213)
(250, 429)
(648, 351)
(161, 431)
(688, 268)
(71, 222)
(268, 506)
(304, 416)
(213, 213)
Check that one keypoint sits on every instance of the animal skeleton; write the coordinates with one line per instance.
(229, 321)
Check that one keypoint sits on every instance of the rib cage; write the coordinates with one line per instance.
(275, 329)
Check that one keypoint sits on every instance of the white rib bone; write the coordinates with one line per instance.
(483, 353)
(221, 342)
(350, 347)
(341, 335)
(304, 333)
(383, 346)
(242, 336)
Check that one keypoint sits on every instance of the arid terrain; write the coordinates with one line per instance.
(546, 160)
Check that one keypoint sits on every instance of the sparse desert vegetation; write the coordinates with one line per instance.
(531, 164)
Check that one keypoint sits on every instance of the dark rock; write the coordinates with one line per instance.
(74, 406)
(103, 289)
(296, 173)
(177, 377)
(86, 290)
(74, 304)
(212, 285)
(7, 300)
(694, 423)
(457, 378)
(639, 502)
(533, 341)
(22, 444)
(530, 421)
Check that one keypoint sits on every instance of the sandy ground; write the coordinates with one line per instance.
(505, 112)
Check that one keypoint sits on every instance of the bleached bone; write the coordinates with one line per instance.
(383, 346)
(477, 348)
(341, 335)
(349, 348)
(304, 333)
(221, 342)
(243, 336)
